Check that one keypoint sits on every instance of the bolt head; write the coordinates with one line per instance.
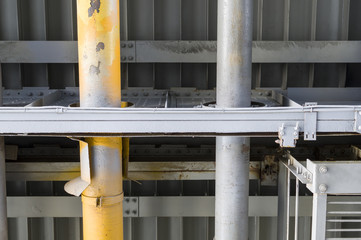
(130, 45)
(322, 188)
(323, 169)
(130, 58)
(295, 133)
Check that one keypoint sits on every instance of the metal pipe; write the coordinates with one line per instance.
(3, 204)
(297, 208)
(234, 74)
(99, 81)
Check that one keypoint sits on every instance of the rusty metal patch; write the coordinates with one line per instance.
(94, 6)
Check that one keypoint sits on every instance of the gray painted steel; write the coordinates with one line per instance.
(186, 52)
(64, 121)
(201, 206)
(55, 171)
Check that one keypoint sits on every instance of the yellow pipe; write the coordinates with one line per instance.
(99, 83)
(102, 200)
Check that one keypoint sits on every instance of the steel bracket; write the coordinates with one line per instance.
(128, 49)
(131, 207)
(288, 135)
(298, 169)
(310, 124)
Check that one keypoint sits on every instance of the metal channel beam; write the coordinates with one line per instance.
(55, 171)
(265, 206)
(186, 52)
(259, 206)
(64, 121)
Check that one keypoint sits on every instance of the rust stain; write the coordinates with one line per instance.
(245, 148)
(94, 6)
(269, 169)
(100, 46)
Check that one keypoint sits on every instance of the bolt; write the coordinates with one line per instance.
(134, 212)
(72, 94)
(260, 94)
(40, 93)
(130, 45)
(268, 93)
(127, 212)
(134, 200)
(127, 200)
(295, 133)
(124, 58)
(30, 94)
(130, 58)
(123, 45)
(323, 169)
(322, 188)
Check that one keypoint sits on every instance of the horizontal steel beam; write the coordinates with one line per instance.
(186, 52)
(259, 206)
(65, 171)
(67, 121)
(265, 206)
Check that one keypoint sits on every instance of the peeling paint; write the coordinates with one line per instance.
(94, 6)
(95, 70)
(100, 46)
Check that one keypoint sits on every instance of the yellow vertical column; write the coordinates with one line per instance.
(99, 84)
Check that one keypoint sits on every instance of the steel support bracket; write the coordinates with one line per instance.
(288, 135)
(310, 124)
(131, 207)
(358, 121)
(298, 169)
(329, 177)
(128, 50)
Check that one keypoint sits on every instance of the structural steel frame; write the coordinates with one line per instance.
(322, 178)
(67, 121)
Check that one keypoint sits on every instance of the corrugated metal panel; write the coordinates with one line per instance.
(186, 20)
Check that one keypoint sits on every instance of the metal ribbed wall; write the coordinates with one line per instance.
(186, 20)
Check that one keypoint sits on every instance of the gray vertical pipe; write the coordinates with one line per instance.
(234, 74)
(3, 205)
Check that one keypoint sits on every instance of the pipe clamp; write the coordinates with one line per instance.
(103, 201)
